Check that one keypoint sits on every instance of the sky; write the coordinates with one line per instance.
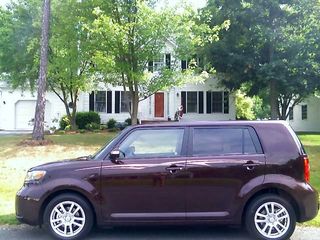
(194, 3)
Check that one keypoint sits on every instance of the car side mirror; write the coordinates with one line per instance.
(114, 155)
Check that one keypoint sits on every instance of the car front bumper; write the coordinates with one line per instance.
(28, 207)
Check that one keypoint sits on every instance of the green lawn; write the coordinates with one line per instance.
(311, 143)
(15, 160)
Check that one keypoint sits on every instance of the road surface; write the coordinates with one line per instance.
(155, 233)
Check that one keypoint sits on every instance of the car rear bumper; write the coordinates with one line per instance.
(308, 203)
(27, 207)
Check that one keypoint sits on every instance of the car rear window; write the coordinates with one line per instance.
(224, 141)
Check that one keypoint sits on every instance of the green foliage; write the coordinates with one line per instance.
(82, 131)
(244, 107)
(128, 121)
(92, 126)
(60, 132)
(269, 46)
(64, 122)
(84, 118)
(67, 128)
(261, 108)
(111, 123)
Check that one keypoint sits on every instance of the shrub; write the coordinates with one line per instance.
(67, 128)
(128, 121)
(84, 118)
(103, 127)
(92, 126)
(60, 132)
(96, 130)
(82, 131)
(111, 123)
(121, 125)
(64, 121)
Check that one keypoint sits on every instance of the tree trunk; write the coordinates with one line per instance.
(38, 128)
(134, 110)
(274, 100)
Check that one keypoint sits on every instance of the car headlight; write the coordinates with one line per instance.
(34, 176)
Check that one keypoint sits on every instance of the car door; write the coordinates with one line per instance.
(147, 180)
(224, 163)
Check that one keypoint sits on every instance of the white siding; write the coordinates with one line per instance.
(312, 123)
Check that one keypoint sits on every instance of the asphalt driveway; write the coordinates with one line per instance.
(155, 233)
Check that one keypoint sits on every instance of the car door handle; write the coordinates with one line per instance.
(250, 165)
(174, 169)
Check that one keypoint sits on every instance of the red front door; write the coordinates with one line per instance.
(159, 105)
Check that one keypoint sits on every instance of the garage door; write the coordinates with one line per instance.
(24, 113)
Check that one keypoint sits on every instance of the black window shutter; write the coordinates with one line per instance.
(117, 102)
(225, 102)
(208, 102)
(168, 60)
(109, 101)
(183, 64)
(200, 103)
(183, 101)
(150, 66)
(91, 101)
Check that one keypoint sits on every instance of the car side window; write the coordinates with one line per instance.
(222, 141)
(144, 143)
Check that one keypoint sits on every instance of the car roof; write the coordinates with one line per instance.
(210, 123)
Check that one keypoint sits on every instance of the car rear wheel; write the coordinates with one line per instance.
(68, 216)
(270, 217)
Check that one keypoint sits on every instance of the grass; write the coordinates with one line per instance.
(311, 143)
(15, 160)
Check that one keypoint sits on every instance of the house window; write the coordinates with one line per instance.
(125, 102)
(192, 102)
(290, 113)
(100, 101)
(304, 112)
(159, 62)
(217, 102)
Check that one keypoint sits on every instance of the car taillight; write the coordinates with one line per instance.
(306, 168)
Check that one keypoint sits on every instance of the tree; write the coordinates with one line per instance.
(267, 48)
(244, 107)
(19, 38)
(38, 128)
(130, 34)
(70, 55)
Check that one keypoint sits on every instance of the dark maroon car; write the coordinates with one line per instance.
(251, 173)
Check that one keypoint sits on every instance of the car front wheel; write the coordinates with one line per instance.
(270, 217)
(68, 217)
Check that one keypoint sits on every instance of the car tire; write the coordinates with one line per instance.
(270, 217)
(68, 217)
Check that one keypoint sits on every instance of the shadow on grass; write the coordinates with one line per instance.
(9, 219)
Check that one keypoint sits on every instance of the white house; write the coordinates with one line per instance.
(200, 102)
(305, 116)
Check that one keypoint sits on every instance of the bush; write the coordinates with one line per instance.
(111, 123)
(67, 128)
(103, 127)
(60, 132)
(129, 121)
(92, 126)
(64, 122)
(82, 131)
(121, 125)
(84, 118)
